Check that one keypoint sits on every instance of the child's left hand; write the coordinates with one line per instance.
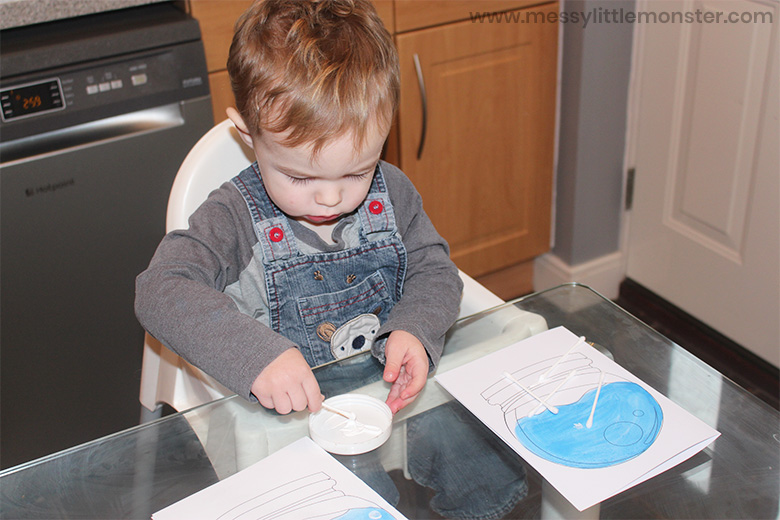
(406, 366)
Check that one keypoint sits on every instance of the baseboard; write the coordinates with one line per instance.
(602, 274)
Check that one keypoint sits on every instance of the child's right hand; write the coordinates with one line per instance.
(287, 384)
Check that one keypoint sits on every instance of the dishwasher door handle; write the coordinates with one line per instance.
(88, 134)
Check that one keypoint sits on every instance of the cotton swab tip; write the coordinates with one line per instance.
(539, 408)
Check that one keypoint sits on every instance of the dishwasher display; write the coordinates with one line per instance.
(31, 99)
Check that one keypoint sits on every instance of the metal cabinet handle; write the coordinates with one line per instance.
(421, 83)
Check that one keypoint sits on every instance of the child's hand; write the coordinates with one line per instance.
(287, 384)
(406, 366)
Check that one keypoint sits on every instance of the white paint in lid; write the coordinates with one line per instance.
(340, 435)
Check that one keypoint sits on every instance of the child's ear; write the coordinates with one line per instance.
(238, 122)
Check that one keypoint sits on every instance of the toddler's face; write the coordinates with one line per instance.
(322, 188)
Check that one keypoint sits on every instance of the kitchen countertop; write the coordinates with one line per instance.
(16, 13)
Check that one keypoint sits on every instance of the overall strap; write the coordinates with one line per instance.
(376, 215)
(271, 226)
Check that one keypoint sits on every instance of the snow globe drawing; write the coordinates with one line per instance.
(569, 412)
(313, 497)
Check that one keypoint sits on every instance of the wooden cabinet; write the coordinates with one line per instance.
(486, 162)
(217, 19)
(476, 135)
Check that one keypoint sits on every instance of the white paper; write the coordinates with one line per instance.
(588, 453)
(299, 482)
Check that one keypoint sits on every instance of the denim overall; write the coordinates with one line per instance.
(316, 298)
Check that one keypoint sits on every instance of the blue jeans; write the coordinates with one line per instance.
(472, 472)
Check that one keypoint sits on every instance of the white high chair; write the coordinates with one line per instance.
(217, 157)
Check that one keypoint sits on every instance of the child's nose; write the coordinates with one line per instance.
(328, 196)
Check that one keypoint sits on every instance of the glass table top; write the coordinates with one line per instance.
(136, 472)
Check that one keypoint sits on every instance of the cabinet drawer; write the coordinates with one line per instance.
(416, 14)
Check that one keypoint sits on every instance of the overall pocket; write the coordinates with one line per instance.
(323, 314)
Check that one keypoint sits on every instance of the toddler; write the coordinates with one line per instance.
(319, 251)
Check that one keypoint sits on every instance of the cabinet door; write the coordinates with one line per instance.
(484, 168)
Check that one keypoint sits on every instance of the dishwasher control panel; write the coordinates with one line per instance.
(63, 97)
(31, 98)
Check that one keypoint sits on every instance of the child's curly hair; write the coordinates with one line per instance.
(317, 69)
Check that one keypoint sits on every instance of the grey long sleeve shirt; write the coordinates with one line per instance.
(180, 297)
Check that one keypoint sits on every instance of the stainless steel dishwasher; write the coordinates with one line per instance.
(97, 114)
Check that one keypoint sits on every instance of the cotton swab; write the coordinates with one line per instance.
(551, 394)
(550, 407)
(549, 370)
(595, 400)
(352, 422)
(339, 411)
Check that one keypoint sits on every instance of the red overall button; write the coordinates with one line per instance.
(276, 234)
(375, 207)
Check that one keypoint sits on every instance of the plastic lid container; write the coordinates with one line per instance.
(337, 434)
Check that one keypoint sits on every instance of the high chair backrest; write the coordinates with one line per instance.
(217, 157)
